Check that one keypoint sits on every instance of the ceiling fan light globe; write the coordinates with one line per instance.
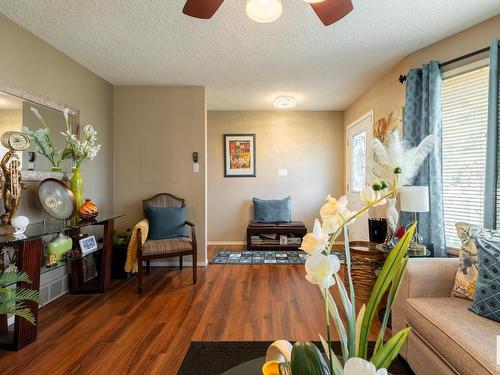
(264, 11)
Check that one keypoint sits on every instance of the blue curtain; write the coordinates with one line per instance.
(492, 188)
(422, 117)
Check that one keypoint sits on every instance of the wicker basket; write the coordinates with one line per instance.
(366, 262)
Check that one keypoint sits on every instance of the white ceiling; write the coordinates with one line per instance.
(244, 64)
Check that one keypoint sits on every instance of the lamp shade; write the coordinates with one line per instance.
(415, 198)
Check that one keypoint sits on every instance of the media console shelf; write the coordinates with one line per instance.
(275, 236)
(29, 247)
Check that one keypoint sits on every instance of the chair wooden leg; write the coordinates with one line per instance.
(139, 275)
(194, 264)
(180, 262)
(148, 268)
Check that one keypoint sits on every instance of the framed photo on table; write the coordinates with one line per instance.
(87, 244)
(239, 155)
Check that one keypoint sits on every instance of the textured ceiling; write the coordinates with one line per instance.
(244, 64)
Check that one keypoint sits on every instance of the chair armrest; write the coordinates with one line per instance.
(425, 277)
(193, 232)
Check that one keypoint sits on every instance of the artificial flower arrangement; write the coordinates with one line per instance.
(79, 150)
(396, 163)
(73, 148)
(44, 144)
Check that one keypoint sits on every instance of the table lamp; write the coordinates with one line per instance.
(415, 199)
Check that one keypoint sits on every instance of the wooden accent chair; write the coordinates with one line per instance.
(167, 248)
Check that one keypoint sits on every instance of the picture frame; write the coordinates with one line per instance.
(87, 244)
(239, 155)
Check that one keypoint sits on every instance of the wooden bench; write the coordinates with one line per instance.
(294, 229)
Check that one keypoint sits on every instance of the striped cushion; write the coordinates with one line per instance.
(169, 245)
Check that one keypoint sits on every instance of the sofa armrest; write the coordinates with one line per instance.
(424, 277)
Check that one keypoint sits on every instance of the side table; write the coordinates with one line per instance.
(366, 261)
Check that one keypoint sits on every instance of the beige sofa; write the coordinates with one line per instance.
(446, 337)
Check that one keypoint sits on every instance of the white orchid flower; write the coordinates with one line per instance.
(359, 366)
(320, 269)
(334, 213)
(368, 195)
(315, 242)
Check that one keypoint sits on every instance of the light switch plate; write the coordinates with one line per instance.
(196, 167)
(282, 172)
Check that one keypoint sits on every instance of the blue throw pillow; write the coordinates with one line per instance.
(487, 298)
(166, 222)
(272, 210)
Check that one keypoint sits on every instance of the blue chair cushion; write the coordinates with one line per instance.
(272, 210)
(166, 222)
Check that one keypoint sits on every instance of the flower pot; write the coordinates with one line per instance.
(56, 169)
(76, 186)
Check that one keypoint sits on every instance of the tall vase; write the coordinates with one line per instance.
(76, 186)
(392, 214)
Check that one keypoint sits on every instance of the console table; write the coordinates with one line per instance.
(29, 247)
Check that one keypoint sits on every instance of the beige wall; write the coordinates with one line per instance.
(387, 94)
(156, 129)
(308, 144)
(29, 63)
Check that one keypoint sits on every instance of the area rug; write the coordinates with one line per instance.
(216, 357)
(264, 257)
(259, 257)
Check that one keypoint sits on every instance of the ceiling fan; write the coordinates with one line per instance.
(264, 11)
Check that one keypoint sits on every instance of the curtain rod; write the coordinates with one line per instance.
(402, 78)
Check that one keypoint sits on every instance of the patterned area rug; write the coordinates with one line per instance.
(259, 257)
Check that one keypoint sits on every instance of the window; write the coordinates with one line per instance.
(464, 116)
(358, 157)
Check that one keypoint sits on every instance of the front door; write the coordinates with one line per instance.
(359, 148)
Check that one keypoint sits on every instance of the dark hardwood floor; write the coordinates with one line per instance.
(122, 332)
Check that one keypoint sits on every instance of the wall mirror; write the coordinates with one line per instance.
(16, 113)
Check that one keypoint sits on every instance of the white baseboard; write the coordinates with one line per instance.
(175, 263)
(228, 243)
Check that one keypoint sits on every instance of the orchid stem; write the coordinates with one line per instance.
(329, 354)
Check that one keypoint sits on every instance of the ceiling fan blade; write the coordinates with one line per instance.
(330, 11)
(203, 9)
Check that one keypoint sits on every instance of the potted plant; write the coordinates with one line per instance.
(396, 163)
(12, 298)
(119, 255)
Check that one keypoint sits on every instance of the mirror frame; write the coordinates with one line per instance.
(49, 103)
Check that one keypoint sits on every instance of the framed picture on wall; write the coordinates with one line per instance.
(239, 155)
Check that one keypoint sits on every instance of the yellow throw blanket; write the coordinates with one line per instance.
(131, 263)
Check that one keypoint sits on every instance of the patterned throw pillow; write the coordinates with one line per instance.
(465, 279)
(487, 298)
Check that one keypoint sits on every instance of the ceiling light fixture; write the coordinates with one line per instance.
(284, 102)
(313, 1)
(264, 11)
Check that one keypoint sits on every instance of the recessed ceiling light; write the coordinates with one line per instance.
(264, 11)
(284, 102)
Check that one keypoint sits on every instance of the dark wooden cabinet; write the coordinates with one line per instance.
(269, 235)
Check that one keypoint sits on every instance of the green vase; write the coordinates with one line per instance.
(76, 185)
(59, 246)
(56, 169)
